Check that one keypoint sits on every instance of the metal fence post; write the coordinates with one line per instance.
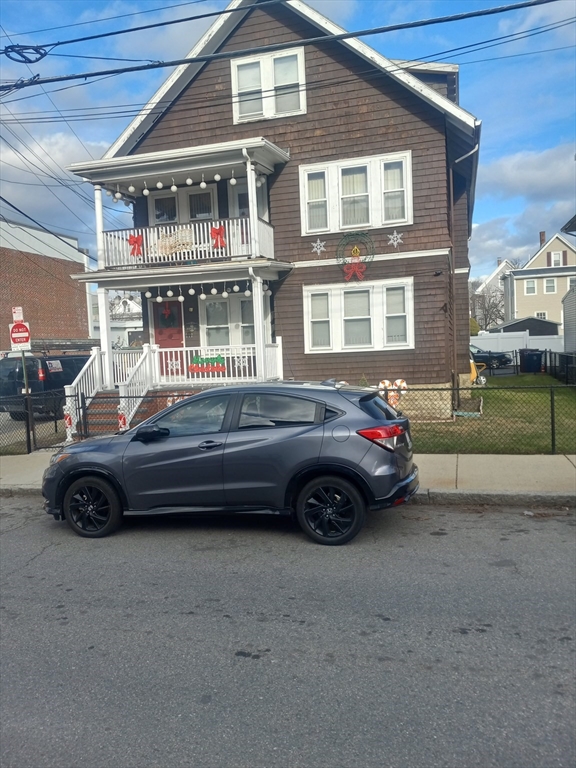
(552, 420)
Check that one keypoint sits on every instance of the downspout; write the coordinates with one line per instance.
(258, 325)
(452, 265)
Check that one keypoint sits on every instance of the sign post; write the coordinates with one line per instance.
(20, 342)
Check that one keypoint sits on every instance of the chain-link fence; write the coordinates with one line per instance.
(562, 365)
(510, 420)
(30, 423)
(492, 419)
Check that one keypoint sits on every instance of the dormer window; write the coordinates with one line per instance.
(268, 86)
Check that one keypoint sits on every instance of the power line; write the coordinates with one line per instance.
(131, 110)
(45, 229)
(116, 111)
(281, 46)
(106, 18)
(60, 113)
(41, 51)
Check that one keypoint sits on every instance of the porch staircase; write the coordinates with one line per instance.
(102, 411)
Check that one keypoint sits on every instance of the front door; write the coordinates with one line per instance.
(169, 335)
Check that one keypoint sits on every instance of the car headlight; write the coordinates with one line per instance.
(57, 457)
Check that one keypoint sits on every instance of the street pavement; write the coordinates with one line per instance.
(441, 637)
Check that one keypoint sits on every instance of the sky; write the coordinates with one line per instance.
(523, 91)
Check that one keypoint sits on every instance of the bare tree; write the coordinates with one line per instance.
(488, 307)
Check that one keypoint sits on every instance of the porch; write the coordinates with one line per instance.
(190, 243)
(137, 372)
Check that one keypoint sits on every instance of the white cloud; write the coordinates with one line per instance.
(534, 176)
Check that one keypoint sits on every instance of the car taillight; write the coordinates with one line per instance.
(383, 436)
(41, 374)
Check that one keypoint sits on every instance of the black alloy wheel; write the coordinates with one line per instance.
(330, 510)
(92, 507)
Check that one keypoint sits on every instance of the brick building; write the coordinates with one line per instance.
(35, 269)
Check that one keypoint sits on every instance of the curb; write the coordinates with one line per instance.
(499, 498)
(428, 496)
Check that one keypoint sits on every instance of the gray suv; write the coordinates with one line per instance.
(322, 452)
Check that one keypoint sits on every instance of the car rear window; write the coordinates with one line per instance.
(11, 368)
(372, 403)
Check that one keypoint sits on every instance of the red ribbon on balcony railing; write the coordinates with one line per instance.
(354, 267)
(217, 234)
(135, 243)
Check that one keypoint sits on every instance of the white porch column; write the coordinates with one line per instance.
(260, 342)
(105, 338)
(253, 206)
(99, 226)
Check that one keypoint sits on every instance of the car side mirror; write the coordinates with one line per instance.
(149, 432)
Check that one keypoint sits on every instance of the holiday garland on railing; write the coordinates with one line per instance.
(207, 365)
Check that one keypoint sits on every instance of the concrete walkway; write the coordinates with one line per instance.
(444, 478)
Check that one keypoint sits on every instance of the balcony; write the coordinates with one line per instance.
(191, 243)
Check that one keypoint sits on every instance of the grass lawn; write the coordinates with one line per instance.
(513, 420)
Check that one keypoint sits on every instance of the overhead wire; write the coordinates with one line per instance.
(45, 229)
(115, 111)
(107, 18)
(285, 45)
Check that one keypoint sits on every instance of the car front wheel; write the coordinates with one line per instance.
(92, 507)
(330, 510)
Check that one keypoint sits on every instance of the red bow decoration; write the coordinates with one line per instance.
(217, 234)
(354, 267)
(135, 243)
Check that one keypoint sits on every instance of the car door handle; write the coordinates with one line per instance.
(207, 445)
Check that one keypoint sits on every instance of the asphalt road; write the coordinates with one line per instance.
(436, 638)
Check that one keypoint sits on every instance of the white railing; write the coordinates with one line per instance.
(83, 388)
(266, 239)
(125, 360)
(182, 243)
(204, 365)
(136, 385)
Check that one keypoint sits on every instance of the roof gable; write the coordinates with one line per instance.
(502, 267)
(463, 122)
(547, 247)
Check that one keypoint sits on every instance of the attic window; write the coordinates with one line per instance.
(268, 86)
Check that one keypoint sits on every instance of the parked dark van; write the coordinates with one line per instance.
(47, 377)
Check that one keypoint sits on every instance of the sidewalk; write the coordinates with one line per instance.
(444, 478)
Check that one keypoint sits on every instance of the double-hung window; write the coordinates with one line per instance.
(368, 192)
(529, 287)
(374, 316)
(556, 259)
(550, 285)
(268, 86)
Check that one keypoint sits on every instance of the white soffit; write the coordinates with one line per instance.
(226, 24)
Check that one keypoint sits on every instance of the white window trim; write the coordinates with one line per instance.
(535, 287)
(559, 255)
(182, 205)
(541, 312)
(545, 283)
(377, 290)
(152, 210)
(266, 61)
(333, 171)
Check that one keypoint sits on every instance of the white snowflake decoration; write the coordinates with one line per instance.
(318, 246)
(395, 238)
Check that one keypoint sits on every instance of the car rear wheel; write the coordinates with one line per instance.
(92, 507)
(330, 510)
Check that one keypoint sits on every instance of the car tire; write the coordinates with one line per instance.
(330, 510)
(92, 507)
(18, 415)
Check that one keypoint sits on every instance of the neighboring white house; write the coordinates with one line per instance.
(125, 319)
(538, 288)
